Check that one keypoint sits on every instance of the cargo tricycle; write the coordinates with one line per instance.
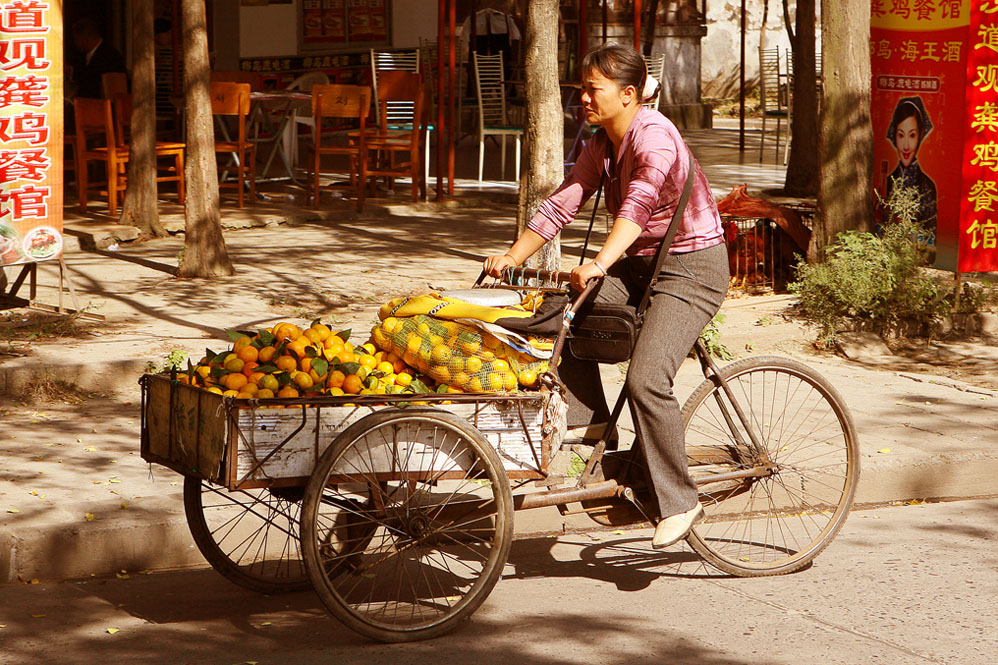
(398, 510)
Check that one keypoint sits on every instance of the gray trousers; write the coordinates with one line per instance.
(689, 291)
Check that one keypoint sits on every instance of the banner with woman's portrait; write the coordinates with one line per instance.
(925, 59)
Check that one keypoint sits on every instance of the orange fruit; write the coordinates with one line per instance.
(527, 378)
(215, 389)
(509, 381)
(440, 374)
(337, 391)
(440, 354)
(240, 343)
(336, 378)
(286, 363)
(333, 342)
(244, 395)
(312, 335)
(264, 393)
(250, 388)
(203, 371)
(470, 346)
(413, 342)
(494, 382)
(248, 353)
(368, 361)
(304, 380)
(500, 366)
(269, 382)
(266, 354)
(352, 384)
(305, 364)
(285, 331)
(257, 377)
(250, 368)
(473, 365)
(323, 331)
(385, 367)
(461, 379)
(231, 393)
(287, 391)
(475, 385)
(234, 381)
(234, 364)
(403, 379)
(389, 325)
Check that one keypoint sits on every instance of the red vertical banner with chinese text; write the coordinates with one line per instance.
(919, 53)
(31, 130)
(978, 216)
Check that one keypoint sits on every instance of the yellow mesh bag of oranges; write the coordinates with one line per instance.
(457, 355)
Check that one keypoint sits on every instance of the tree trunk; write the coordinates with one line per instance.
(204, 247)
(802, 167)
(845, 146)
(141, 206)
(545, 131)
(650, 23)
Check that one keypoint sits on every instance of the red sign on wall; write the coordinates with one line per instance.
(31, 132)
(929, 113)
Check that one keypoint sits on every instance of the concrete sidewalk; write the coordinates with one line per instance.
(76, 499)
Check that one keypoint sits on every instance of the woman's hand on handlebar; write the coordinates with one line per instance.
(494, 265)
(582, 274)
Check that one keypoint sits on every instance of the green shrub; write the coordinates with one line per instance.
(874, 280)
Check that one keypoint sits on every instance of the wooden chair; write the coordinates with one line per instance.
(492, 119)
(121, 105)
(97, 141)
(385, 144)
(342, 102)
(233, 100)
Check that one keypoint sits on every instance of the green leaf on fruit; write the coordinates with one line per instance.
(344, 334)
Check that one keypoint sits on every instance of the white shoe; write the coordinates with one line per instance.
(674, 528)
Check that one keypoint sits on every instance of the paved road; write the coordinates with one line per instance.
(903, 584)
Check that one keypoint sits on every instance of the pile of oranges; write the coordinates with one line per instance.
(458, 356)
(288, 361)
(406, 355)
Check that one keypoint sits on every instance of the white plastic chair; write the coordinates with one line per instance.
(492, 120)
(656, 68)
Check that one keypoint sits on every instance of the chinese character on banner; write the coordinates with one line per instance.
(977, 244)
(31, 116)
(934, 104)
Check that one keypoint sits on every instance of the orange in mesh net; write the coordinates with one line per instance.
(457, 355)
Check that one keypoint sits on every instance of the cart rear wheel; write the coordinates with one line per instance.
(249, 536)
(406, 524)
(777, 523)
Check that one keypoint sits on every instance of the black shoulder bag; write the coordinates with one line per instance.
(606, 332)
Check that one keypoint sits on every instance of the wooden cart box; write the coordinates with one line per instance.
(238, 444)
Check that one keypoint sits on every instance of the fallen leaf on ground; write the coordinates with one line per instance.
(884, 450)
(112, 631)
(618, 532)
(90, 517)
(122, 575)
(34, 580)
(38, 616)
(13, 510)
(265, 623)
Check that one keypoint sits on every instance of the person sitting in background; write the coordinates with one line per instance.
(99, 58)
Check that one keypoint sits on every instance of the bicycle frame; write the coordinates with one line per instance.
(589, 486)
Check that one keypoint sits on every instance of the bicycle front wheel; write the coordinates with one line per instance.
(776, 520)
(406, 524)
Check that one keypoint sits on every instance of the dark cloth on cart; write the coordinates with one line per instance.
(689, 291)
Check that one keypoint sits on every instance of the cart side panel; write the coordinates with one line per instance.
(186, 428)
(270, 448)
